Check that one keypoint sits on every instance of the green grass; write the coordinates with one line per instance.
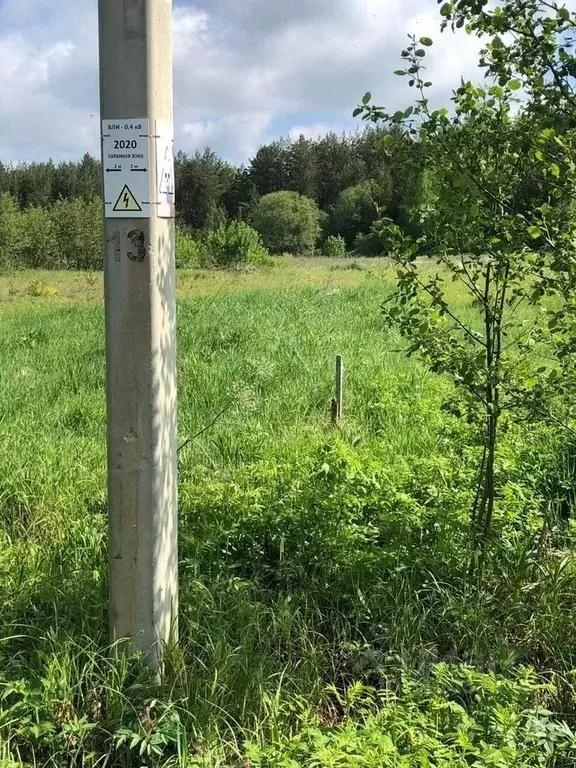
(267, 353)
(309, 556)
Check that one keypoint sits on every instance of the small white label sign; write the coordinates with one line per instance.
(126, 168)
(165, 170)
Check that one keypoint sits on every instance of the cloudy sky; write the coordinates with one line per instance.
(245, 71)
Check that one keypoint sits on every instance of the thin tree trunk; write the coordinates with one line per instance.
(483, 512)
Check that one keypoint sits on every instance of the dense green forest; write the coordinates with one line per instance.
(50, 212)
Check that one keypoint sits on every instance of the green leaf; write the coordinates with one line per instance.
(357, 111)
(427, 41)
(420, 52)
(446, 9)
(564, 14)
(366, 98)
(534, 232)
(400, 72)
(555, 170)
(514, 85)
(397, 116)
(408, 112)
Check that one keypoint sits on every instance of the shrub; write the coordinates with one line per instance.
(288, 222)
(10, 231)
(66, 236)
(233, 244)
(368, 245)
(356, 209)
(188, 250)
(457, 717)
(39, 246)
(78, 232)
(334, 246)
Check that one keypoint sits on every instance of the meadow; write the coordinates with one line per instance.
(325, 615)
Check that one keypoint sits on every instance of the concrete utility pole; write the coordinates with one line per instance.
(139, 284)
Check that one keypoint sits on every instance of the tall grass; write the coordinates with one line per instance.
(309, 556)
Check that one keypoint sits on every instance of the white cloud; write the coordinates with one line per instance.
(26, 69)
(237, 136)
(316, 130)
(48, 81)
(244, 71)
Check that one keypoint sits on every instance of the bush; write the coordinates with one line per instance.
(188, 250)
(334, 247)
(78, 232)
(39, 246)
(10, 231)
(233, 244)
(368, 245)
(66, 236)
(356, 209)
(288, 222)
(457, 717)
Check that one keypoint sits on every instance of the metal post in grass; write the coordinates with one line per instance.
(338, 400)
(139, 283)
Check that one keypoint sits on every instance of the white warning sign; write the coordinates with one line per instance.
(165, 170)
(126, 167)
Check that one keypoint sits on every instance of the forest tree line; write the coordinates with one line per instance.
(300, 196)
(349, 179)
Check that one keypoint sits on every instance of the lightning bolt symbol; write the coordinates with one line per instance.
(126, 199)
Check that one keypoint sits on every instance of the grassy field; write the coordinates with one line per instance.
(310, 558)
(287, 274)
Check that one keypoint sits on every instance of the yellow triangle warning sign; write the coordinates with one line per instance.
(126, 201)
